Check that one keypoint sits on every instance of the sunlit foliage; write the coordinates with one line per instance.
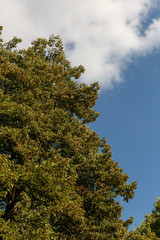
(57, 177)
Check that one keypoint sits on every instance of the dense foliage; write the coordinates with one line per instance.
(57, 177)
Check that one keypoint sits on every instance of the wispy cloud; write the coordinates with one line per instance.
(102, 35)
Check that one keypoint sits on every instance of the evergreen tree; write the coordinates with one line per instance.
(57, 177)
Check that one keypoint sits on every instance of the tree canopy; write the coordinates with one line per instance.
(150, 227)
(57, 177)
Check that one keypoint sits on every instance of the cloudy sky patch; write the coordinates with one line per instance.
(102, 35)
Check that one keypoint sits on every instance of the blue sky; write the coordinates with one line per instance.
(118, 42)
(130, 119)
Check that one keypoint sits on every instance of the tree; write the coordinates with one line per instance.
(57, 177)
(150, 227)
(143, 232)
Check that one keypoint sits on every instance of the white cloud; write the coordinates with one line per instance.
(106, 34)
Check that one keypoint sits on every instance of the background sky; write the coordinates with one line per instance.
(118, 42)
